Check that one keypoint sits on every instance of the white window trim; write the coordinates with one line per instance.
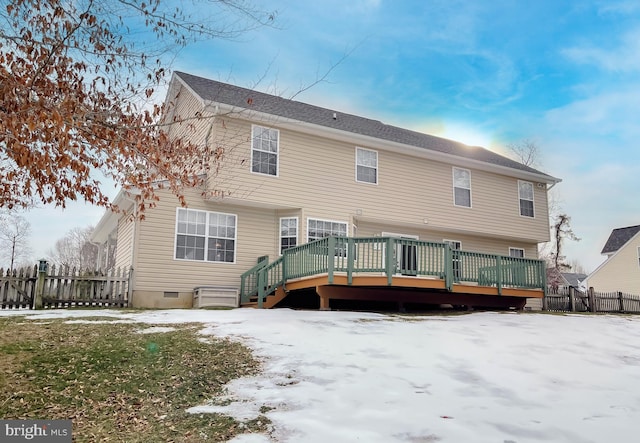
(325, 220)
(396, 235)
(206, 238)
(376, 168)
(517, 249)
(533, 189)
(453, 180)
(280, 231)
(447, 240)
(262, 174)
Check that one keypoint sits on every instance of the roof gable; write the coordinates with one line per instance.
(218, 92)
(618, 238)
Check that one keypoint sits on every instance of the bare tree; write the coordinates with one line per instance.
(15, 231)
(75, 249)
(526, 152)
(562, 231)
(77, 80)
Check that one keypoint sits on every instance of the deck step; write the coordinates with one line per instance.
(269, 302)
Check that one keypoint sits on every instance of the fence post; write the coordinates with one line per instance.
(621, 299)
(592, 300)
(42, 274)
(572, 299)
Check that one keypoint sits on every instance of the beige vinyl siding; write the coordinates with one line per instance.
(318, 174)
(189, 118)
(125, 243)
(474, 243)
(621, 272)
(158, 271)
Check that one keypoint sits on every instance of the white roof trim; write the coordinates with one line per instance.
(610, 257)
(377, 143)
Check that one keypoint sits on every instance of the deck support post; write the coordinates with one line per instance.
(351, 253)
(499, 275)
(390, 264)
(323, 293)
(331, 257)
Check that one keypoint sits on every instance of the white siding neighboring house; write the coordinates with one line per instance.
(621, 270)
(294, 172)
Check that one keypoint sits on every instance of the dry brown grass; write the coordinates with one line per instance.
(119, 385)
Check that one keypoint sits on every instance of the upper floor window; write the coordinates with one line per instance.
(462, 187)
(525, 194)
(638, 255)
(203, 235)
(516, 252)
(264, 150)
(366, 166)
(288, 233)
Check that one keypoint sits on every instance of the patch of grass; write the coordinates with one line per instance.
(120, 385)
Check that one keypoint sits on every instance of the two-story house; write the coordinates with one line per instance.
(458, 224)
(621, 270)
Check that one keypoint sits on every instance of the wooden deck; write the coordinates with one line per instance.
(414, 272)
(406, 289)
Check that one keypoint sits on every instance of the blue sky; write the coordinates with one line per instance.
(563, 74)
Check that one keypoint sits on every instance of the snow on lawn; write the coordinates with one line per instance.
(480, 377)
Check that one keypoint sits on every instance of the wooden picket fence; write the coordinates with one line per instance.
(64, 287)
(573, 300)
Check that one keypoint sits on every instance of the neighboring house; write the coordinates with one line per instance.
(561, 281)
(294, 173)
(621, 269)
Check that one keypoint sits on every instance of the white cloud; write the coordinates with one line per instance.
(624, 57)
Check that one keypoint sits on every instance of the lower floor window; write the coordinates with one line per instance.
(288, 233)
(205, 236)
(317, 229)
(516, 252)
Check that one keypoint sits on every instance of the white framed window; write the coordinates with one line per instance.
(288, 233)
(638, 255)
(205, 236)
(366, 166)
(525, 195)
(462, 187)
(317, 229)
(516, 252)
(265, 145)
(454, 244)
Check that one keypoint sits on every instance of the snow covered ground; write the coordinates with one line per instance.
(480, 377)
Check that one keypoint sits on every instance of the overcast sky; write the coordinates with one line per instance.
(562, 74)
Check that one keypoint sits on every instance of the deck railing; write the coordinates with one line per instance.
(358, 256)
(249, 280)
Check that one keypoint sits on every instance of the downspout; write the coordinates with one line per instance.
(133, 251)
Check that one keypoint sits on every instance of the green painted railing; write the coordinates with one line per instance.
(249, 280)
(351, 256)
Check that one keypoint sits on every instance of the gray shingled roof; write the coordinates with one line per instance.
(618, 238)
(574, 278)
(224, 93)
